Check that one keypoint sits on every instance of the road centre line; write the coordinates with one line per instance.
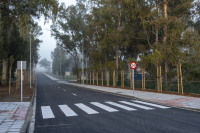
(74, 94)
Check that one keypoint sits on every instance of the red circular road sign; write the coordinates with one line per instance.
(133, 65)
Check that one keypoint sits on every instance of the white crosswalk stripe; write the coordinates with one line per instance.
(47, 112)
(67, 111)
(86, 108)
(121, 106)
(151, 104)
(107, 108)
(136, 105)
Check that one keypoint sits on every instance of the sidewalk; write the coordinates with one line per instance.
(167, 99)
(12, 116)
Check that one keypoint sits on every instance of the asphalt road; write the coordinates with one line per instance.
(67, 109)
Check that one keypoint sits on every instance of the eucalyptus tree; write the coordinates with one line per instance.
(45, 63)
(22, 14)
(55, 56)
(164, 24)
(70, 30)
(175, 16)
(61, 61)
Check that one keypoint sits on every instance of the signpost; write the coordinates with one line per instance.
(21, 65)
(133, 65)
(67, 72)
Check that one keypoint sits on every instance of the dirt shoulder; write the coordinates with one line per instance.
(15, 95)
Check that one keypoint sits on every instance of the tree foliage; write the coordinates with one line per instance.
(118, 31)
(17, 25)
(45, 63)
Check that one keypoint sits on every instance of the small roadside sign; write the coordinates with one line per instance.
(133, 65)
(19, 64)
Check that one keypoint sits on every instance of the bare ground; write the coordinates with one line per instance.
(15, 95)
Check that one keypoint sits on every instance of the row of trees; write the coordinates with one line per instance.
(62, 61)
(18, 28)
(115, 32)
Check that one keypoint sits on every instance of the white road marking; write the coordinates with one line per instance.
(136, 105)
(67, 111)
(86, 108)
(151, 104)
(121, 106)
(64, 90)
(107, 108)
(47, 112)
(74, 94)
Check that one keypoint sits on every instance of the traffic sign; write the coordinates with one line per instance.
(23, 65)
(133, 65)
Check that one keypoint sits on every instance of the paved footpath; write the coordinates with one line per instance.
(167, 99)
(12, 116)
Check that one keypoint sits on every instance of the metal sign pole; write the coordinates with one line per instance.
(30, 62)
(33, 71)
(133, 65)
(21, 83)
(133, 80)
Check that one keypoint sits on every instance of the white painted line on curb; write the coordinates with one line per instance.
(151, 104)
(107, 108)
(47, 112)
(86, 108)
(67, 111)
(136, 105)
(121, 106)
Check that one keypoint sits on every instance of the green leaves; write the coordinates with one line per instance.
(131, 60)
(156, 57)
(145, 61)
(112, 31)
(45, 63)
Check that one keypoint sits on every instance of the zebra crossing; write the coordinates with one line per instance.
(47, 112)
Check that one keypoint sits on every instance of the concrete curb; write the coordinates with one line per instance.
(117, 94)
(30, 112)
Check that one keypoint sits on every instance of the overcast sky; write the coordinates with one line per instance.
(49, 43)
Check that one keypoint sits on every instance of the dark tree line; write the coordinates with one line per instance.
(16, 26)
(116, 32)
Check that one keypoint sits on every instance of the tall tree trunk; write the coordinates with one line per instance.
(86, 60)
(165, 37)
(156, 25)
(156, 35)
(117, 63)
(117, 56)
(4, 72)
(10, 78)
(117, 50)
